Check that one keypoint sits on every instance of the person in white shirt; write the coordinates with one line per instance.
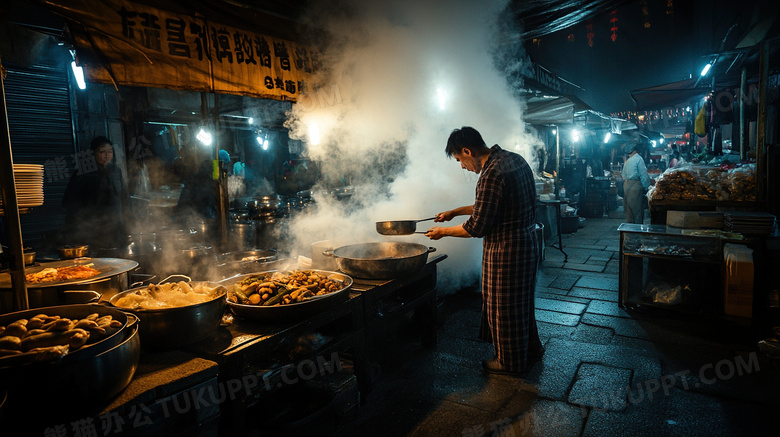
(635, 182)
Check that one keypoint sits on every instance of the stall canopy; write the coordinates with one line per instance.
(169, 45)
(669, 95)
(563, 110)
(549, 110)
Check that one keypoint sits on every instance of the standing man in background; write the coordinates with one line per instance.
(504, 215)
(635, 184)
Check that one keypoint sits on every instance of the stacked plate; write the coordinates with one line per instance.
(29, 185)
(753, 223)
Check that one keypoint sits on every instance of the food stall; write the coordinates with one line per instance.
(699, 187)
(218, 362)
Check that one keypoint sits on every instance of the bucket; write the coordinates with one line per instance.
(243, 235)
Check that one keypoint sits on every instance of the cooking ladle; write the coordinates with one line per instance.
(399, 227)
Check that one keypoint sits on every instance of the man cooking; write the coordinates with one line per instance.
(503, 214)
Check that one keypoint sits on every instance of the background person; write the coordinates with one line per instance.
(94, 201)
(504, 215)
(635, 182)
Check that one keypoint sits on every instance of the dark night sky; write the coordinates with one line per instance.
(640, 57)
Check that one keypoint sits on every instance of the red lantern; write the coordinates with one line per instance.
(613, 22)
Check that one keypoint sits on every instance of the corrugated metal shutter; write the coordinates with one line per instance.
(41, 128)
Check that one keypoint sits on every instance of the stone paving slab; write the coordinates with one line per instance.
(557, 318)
(581, 267)
(607, 309)
(564, 281)
(451, 418)
(552, 330)
(559, 306)
(682, 413)
(600, 386)
(606, 282)
(555, 419)
(563, 357)
(592, 293)
(636, 343)
(563, 297)
(550, 290)
(621, 326)
(592, 334)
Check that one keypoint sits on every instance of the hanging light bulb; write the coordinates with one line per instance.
(204, 137)
(265, 142)
(78, 72)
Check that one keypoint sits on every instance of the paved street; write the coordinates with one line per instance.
(606, 372)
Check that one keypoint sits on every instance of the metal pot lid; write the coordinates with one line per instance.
(108, 267)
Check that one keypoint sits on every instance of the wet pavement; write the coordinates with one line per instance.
(606, 371)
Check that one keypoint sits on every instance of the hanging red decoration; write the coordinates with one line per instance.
(589, 34)
(613, 25)
(670, 7)
(570, 37)
(645, 13)
(537, 41)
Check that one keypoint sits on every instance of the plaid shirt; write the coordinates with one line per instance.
(504, 215)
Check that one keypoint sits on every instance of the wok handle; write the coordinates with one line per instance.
(425, 220)
(328, 252)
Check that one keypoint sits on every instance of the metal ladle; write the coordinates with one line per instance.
(399, 227)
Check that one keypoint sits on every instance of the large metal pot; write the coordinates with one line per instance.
(384, 260)
(112, 279)
(179, 326)
(89, 377)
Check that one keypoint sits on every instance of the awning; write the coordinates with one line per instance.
(669, 95)
(549, 110)
(595, 120)
(135, 44)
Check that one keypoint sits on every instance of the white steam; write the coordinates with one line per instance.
(398, 77)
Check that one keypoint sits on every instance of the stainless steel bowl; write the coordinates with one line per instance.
(71, 252)
(178, 326)
(29, 258)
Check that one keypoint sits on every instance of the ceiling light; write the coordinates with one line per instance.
(78, 72)
(204, 137)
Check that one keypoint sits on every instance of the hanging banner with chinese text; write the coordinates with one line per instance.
(133, 44)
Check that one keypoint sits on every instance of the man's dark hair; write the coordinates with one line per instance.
(99, 141)
(465, 138)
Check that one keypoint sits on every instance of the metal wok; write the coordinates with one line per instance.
(381, 260)
(178, 326)
(78, 311)
(292, 311)
(113, 278)
(400, 227)
(67, 387)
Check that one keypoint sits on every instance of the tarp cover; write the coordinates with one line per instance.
(549, 110)
(129, 43)
(669, 95)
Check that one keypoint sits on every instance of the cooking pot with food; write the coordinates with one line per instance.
(112, 277)
(174, 314)
(90, 375)
(384, 260)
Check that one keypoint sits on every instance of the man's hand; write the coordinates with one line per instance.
(444, 217)
(435, 232)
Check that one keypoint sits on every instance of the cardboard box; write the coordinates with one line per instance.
(738, 283)
(695, 219)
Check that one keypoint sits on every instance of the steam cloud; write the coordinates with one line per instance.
(398, 77)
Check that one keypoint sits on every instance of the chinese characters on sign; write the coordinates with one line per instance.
(145, 46)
